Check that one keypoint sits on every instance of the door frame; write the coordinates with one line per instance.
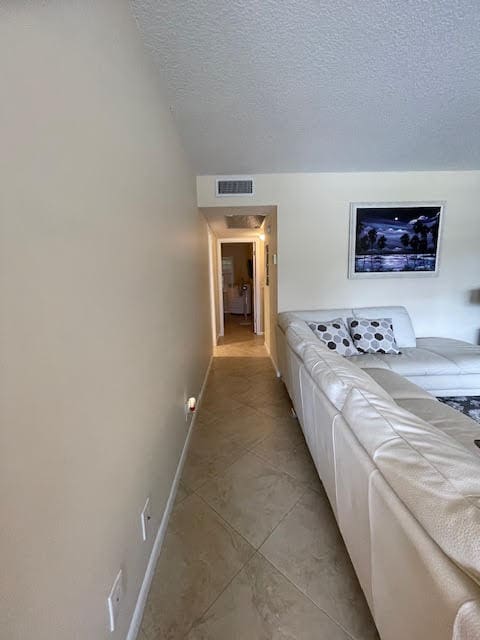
(257, 316)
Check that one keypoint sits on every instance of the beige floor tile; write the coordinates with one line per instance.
(245, 429)
(204, 416)
(260, 604)
(182, 493)
(227, 383)
(201, 554)
(218, 444)
(244, 367)
(246, 407)
(317, 485)
(307, 548)
(252, 496)
(289, 453)
(211, 452)
(275, 408)
(219, 404)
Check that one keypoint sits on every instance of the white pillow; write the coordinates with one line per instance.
(334, 334)
(373, 335)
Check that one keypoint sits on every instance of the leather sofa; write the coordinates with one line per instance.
(444, 366)
(402, 473)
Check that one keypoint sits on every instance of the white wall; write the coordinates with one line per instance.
(104, 317)
(313, 217)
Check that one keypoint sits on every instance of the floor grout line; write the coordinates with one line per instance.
(234, 576)
(253, 550)
(338, 624)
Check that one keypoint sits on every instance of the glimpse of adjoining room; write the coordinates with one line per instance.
(237, 287)
(243, 275)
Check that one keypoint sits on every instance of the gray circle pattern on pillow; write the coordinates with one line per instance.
(373, 336)
(334, 334)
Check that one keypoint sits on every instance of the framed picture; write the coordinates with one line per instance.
(395, 239)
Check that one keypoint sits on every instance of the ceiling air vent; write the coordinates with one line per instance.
(241, 186)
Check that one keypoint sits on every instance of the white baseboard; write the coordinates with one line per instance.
(162, 529)
(277, 371)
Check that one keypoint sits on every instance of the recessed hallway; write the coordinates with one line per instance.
(252, 549)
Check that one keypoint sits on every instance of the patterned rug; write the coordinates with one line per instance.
(469, 405)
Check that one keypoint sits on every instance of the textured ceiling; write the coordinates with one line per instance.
(320, 85)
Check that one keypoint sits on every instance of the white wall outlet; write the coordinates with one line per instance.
(145, 519)
(114, 600)
(190, 407)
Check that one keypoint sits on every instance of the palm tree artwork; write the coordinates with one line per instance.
(396, 239)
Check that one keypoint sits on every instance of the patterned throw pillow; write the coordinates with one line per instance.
(373, 336)
(335, 335)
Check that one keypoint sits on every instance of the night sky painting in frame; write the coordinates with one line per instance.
(395, 239)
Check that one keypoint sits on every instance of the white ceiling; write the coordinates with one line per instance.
(216, 220)
(320, 85)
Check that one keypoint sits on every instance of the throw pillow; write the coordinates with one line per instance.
(335, 335)
(373, 336)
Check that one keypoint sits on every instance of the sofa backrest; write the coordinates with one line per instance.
(336, 376)
(299, 335)
(402, 324)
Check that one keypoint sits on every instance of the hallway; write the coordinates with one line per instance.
(252, 550)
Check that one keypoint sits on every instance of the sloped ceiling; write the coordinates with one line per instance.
(320, 85)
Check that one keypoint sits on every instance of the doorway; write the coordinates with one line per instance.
(238, 286)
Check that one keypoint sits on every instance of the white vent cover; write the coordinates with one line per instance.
(233, 186)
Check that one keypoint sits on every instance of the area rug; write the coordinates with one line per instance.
(469, 405)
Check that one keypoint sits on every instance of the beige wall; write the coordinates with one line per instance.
(313, 221)
(271, 292)
(214, 286)
(104, 317)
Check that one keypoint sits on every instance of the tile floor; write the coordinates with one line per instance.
(252, 550)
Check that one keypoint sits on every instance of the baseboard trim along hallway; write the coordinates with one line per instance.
(252, 548)
(162, 529)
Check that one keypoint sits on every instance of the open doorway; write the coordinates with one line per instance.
(255, 227)
(238, 287)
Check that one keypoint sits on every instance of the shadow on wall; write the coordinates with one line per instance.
(474, 298)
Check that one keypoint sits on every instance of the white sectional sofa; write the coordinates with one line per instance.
(401, 470)
(444, 366)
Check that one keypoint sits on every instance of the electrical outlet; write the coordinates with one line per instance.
(145, 518)
(114, 600)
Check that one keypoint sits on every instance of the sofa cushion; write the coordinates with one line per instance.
(334, 334)
(435, 476)
(335, 375)
(411, 362)
(464, 355)
(449, 420)
(397, 386)
(402, 325)
(373, 335)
